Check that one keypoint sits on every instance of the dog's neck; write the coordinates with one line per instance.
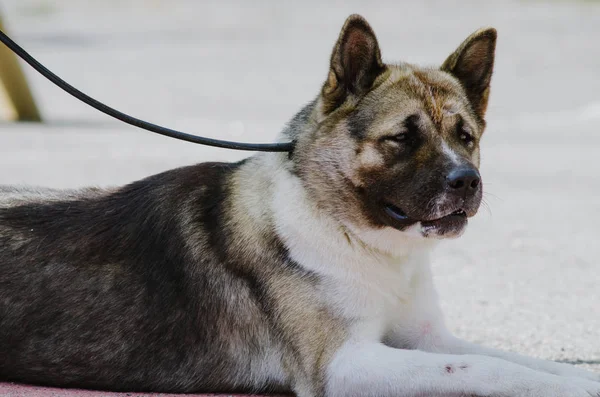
(270, 188)
(304, 120)
(312, 232)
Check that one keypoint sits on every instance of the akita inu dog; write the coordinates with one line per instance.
(305, 272)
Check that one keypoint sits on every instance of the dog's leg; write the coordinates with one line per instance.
(454, 345)
(373, 369)
(423, 328)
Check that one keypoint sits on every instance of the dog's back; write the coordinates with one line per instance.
(130, 289)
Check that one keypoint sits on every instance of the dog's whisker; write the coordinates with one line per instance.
(487, 207)
(488, 193)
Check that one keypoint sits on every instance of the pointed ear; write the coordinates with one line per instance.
(355, 63)
(472, 64)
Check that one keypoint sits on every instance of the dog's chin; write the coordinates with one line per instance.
(452, 225)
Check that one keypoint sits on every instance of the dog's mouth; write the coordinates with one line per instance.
(451, 224)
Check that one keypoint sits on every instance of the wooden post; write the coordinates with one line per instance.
(16, 87)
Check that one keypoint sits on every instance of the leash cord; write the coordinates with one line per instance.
(261, 147)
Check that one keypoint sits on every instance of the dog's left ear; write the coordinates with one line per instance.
(472, 64)
(355, 63)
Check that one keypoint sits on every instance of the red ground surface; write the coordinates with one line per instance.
(17, 390)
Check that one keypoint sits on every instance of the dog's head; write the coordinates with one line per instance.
(398, 145)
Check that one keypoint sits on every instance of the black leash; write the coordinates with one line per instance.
(261, 147)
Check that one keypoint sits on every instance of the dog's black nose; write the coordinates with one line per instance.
(464, 180)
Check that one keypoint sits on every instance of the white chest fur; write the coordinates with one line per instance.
(374, 286)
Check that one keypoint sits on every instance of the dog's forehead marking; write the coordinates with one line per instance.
(440, 96)
(421, 91)
(450, 108)
(432, 94)
(433, 106)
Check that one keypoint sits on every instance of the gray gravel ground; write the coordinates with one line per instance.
(525, 277)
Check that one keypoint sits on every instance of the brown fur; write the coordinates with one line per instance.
(182, 282)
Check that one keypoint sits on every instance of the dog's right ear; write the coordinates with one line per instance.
(355, 63)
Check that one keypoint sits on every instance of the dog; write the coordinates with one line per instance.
(305, 272)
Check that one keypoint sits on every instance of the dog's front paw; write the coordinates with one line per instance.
(571, 371)
(592, 387)
(566, 387)
(525, 382)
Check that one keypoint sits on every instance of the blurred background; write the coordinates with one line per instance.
(526, 275)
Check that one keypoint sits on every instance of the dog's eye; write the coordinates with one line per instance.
(464, 133)
(401, 137)
(409, 132)
(466, 137)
